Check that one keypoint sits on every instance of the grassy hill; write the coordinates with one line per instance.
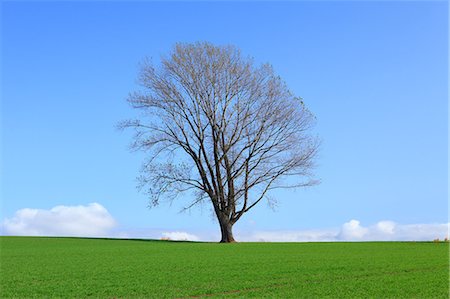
(75, 267)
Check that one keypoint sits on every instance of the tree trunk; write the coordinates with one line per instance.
(226, 228)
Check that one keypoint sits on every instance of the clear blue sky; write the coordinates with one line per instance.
(374, 73)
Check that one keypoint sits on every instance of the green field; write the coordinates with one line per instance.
(72, 267)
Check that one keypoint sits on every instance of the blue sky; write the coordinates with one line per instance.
(375, 74)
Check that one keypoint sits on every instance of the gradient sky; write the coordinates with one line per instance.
(375, 74)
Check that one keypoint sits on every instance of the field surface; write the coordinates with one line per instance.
(105, 268)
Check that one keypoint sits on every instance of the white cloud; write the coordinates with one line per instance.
(92, 220)
(391, 231)
(288, 236)
(387, 227)
(421, 232)
(353, 231)
(180, 236)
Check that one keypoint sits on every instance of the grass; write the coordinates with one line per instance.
(73, 267)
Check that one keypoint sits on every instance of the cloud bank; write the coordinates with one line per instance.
(180, 236)
(92, 220)
(391, 231)
(354, 231)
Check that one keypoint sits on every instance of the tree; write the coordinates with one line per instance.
(214, 123)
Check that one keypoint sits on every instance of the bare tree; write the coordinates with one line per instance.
(215, 123)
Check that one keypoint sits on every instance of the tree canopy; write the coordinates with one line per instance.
(215, 123)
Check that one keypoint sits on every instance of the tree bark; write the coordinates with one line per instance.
(226, 228)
